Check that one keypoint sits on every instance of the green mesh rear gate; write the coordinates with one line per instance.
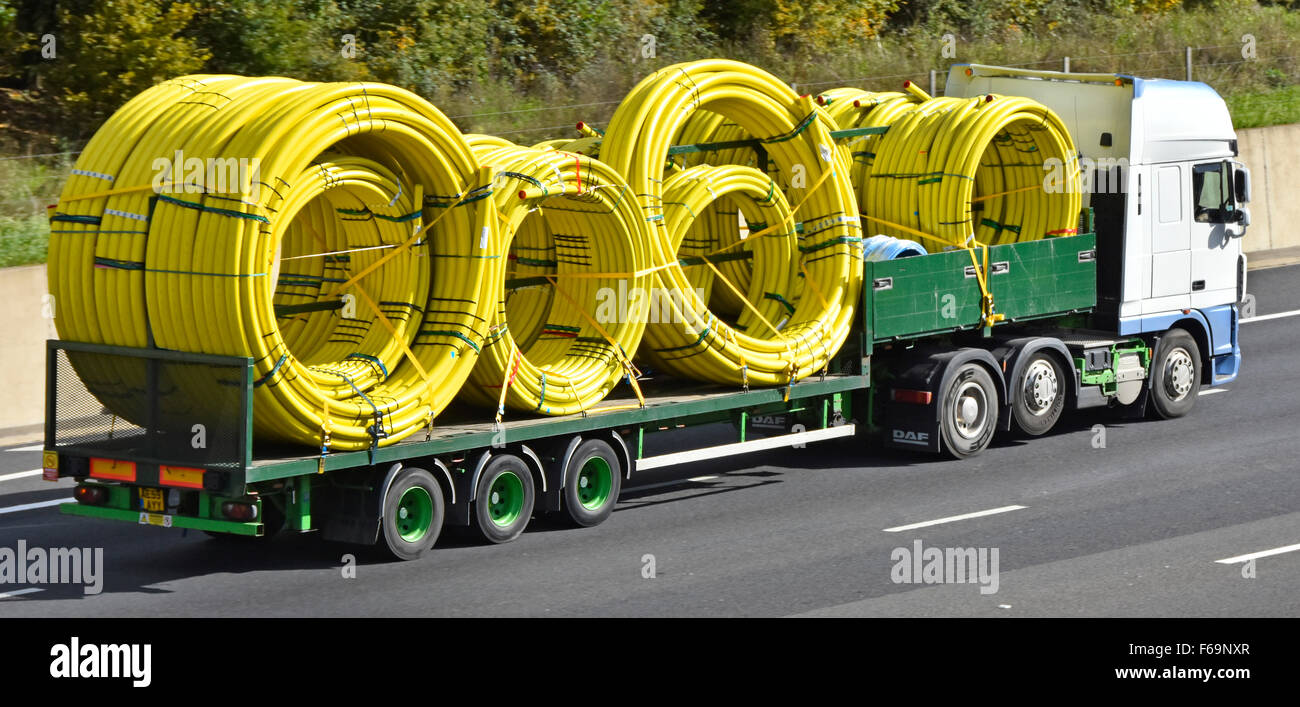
(148, 406)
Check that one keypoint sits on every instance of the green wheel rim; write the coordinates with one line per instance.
(506, 499)
(595, 481)
(414, 514)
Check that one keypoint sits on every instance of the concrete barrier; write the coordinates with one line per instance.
(1273, 156)
(24, 327)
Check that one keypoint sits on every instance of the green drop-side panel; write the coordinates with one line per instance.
(922, 295)
(1045, 277)
(934, 293)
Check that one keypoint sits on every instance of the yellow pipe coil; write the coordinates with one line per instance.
(356, 165)
(798, 140)
(958, 171)
(558, 346)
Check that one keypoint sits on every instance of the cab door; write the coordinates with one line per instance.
(1215, 232)
(1171, 256)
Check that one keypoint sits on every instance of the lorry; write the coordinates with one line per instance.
(1137, 310)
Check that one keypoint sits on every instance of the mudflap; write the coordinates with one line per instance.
(913, 399)
(913, 425)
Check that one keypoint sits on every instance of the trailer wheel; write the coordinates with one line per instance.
(1176, 375)
(1039, 395)
(970, 411)
(592, 482)
(413, 514)
(503, 502)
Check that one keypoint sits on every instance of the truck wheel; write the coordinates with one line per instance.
(1176, 375)
(1039, 395)
(969, 412)
(503, 502)
(591, 483)
(413, 513)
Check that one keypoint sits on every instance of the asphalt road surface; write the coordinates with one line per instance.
(1135, 528)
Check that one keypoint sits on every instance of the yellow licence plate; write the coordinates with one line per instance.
(151, 499)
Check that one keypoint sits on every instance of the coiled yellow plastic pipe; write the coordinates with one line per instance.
(568, 321)
(796, 136)
(373, 181)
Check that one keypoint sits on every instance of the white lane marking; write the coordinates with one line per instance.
(1212, 391)
(20, 592)
(21, 474)
(1261, 553)
(950, 519)
(32, 448)
(34, 506)
(678, 482)
(1266, 317)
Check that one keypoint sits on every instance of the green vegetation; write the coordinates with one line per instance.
(528, 69)
(1276, 107)
(29, 185)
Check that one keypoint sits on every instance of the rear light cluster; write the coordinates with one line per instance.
(917, 397)
(91, 495)
(244, 512)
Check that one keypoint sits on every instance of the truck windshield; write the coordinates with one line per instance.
(1210, 186)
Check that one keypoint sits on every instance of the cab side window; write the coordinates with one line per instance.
(1210, 190)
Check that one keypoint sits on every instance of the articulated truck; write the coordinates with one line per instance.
(1136, 310)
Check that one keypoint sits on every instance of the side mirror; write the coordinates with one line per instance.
(1235, 223)
(1241, 183)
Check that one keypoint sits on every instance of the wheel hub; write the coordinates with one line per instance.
(505, 499)
(1179, 371)
(414, 514)
(1041, 387)
(595, 483)
(971, 411)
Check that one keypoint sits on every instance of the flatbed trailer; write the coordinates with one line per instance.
(201, 473)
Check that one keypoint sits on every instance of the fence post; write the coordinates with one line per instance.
(1067, 65)
(1189, 63)
(933, 75)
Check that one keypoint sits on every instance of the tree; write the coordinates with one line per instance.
(301, 39)
(113, 52)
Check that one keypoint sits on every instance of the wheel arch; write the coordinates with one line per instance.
(1200, 333)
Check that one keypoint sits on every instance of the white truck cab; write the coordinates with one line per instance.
(1158, 161)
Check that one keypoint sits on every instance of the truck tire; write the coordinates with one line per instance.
(968, 411)
(1038, 396)
(503, 501)
(413, 514)
(592, 481)
(1175, 375)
